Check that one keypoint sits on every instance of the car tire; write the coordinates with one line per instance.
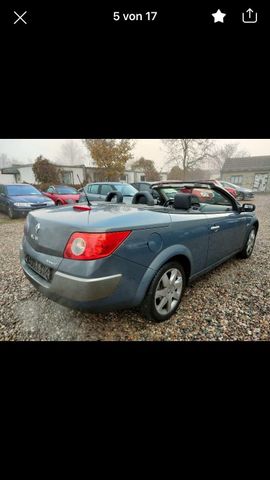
(11, 213)
(58, 204)
(163, 296)
(249, 245)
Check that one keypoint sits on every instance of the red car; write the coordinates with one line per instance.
(231, 190)
(202, 194)
(62, 194)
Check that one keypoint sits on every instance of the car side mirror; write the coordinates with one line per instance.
(248, 207)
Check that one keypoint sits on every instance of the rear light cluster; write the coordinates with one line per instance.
(91, 246)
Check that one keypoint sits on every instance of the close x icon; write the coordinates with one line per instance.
(19, 17)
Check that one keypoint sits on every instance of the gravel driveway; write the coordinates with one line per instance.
(230, 303)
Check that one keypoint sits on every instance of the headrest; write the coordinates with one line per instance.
(143, 197)
(182, 201)
(114, 194)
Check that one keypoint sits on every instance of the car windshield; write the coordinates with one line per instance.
(16, 190)
(66, 191)
(127, 190)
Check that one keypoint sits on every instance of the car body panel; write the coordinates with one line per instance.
(158, 235)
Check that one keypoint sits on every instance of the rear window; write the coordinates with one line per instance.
(127, 190)
(22, 190)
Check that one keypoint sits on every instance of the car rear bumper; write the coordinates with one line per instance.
(72, 288)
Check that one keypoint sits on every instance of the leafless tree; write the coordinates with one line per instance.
(187, 153)
(217, 157)
(71, 154)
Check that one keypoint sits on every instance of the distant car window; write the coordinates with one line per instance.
(105, 189)
(93, 188)
(66, 190)
(22, 190)
(168, 192)
(125, 189)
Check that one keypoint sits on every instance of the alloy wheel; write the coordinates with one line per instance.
(168, 291)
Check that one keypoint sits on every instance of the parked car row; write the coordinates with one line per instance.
(18, 199)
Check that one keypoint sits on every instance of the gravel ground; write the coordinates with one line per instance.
(230, 303)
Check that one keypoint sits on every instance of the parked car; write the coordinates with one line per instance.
(98, 191)
(242, 193)
(107, 256)
(229, 188)
(17, 199)
(62, 194)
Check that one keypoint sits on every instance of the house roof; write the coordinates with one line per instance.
(246, 164)
(10, 170)
(23, 165)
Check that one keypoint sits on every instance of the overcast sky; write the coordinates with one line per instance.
(27, 150)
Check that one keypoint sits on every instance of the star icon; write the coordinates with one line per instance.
(218, 16)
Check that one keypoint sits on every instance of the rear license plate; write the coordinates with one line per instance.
(42, 270)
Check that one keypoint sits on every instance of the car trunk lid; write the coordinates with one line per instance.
(49, 231)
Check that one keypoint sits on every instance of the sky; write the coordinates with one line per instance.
(27, 150)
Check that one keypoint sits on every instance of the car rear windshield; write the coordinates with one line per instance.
(66, 191)
(22, 190)
(127, 190)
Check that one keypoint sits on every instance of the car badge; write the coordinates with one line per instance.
(37, 228)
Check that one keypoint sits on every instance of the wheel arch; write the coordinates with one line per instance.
(178, 253)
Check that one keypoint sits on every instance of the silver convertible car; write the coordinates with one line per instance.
(107, 256)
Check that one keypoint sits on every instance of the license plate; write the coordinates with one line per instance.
(42, 270)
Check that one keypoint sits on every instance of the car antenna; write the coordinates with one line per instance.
(87, 199)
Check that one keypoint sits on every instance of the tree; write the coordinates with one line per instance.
(110, 154)
(45, 172)
(220, 154)
(148, 167)
(175, 173)
(71, 154)
(187, 153)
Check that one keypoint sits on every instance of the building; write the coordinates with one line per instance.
(70, 174)
(249, 172)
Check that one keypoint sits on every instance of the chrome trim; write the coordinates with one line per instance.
(215, 227)
(87, 280)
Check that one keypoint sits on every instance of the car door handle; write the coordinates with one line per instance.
(215, 228)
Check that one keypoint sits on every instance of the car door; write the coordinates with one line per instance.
(93, 192)
(105, 189)
(226, 225)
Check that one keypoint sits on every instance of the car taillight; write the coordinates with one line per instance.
(91, 246)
